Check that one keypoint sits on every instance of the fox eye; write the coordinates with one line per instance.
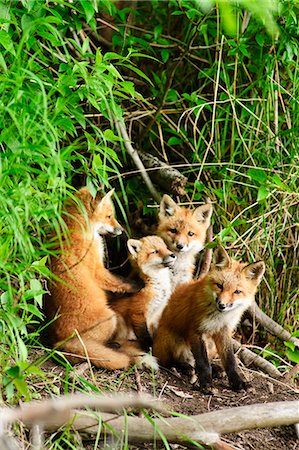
(155, 252)
(237, 291)
(190, 233)
(173, 230)
(219, 286)
(109, 217)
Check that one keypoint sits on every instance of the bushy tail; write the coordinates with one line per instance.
(99, 354)
(105, 357)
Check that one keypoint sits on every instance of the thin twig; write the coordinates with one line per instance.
(135, 157)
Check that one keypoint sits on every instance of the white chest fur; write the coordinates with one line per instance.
(216, 320)
(182, 270)
(161, 285)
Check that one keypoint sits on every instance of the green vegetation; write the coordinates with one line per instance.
(209, 91)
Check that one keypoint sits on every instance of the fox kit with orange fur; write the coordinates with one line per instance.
(141, 312)
(85, 322)
(184, 232)
(211, 307)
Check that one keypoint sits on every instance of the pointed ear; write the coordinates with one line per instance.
(104, 200)
(255, 271)
(221, 260)
(203, 213)
(167, 207)
(134, 247)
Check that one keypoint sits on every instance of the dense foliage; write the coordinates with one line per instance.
(222, 108)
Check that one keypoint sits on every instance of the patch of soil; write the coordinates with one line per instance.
(178, 394)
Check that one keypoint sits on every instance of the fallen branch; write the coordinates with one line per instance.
(272, 326)
(60, 410)
(167, 177)
(198, 428)
(137, 161)
(249, 358)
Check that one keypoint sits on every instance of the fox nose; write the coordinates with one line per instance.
(220, 306)
(179, 246)
(117, 231)
(169, 260)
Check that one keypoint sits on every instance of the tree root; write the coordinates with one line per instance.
(272, 326)
(249, 358)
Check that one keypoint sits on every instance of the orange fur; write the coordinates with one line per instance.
(85, 323)
(152, 258)
(211, 307)
(184, 232)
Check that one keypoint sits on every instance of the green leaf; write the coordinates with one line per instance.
(110, 136)
(37, 291)
(174, 140)
(88, 9)
(262, 194)
(257, 175)
(6, 42)
(290, 345)
(139, 72)
(260, 39)
(293, 355)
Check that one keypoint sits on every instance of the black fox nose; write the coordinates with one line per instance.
(179, 246)
(221, 306)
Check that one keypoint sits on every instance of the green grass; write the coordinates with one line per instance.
(221, 107)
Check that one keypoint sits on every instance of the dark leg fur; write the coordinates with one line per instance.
(202, 364)
(144, 338)
(226, 353)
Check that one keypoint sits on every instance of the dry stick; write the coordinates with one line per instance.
(166, 176)
(272, 326)
(136, 158)
(59, 410)
(249, 358)
(199, 427)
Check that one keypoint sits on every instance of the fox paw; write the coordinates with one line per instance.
(148, 361)
(238, 384)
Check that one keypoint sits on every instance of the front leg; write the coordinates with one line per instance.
(202, 364)
(225, 350)
(113, 283)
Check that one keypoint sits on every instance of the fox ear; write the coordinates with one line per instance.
(104, 200)
(255, 271)
(167, 207)
(203, 213)
(221, 259)
(134, 247)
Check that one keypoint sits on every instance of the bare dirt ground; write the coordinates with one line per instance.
(177, 392)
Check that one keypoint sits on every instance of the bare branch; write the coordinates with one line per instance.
(272, 326)
(137, 161)
(60, 410)
(201, 428)
(169, 178)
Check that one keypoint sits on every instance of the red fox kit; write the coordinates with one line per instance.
(79, 295)
(143, 310)
(212, 307)
(184, 232)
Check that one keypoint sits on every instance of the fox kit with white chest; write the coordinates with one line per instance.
(85, 324)
(184, 232)
(212, 307)
(141, 312)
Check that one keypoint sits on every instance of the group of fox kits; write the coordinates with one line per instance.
(173, 313)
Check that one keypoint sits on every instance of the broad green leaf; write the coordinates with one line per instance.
(262, 194)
